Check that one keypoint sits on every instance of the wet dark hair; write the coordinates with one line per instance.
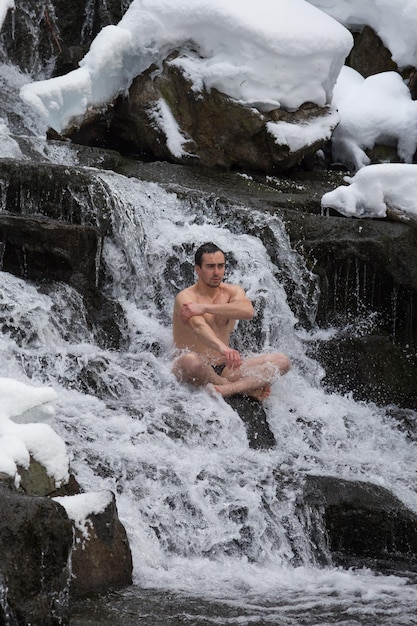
(206, 248)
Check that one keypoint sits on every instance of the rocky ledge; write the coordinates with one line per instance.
(56, 547)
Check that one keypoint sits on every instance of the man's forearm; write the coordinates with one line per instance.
(206, 335)
(239, 310)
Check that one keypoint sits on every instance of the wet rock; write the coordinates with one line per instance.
(35, 481)
(371, 367)
(217, 130)
(76, 29)
(43, 38)
(35, 544)
(101, 559)
(39, 249)
(369, 55)
(331, 243)
(29, 36)
(38, 533)
(365, 525)
(367, 276)
(52, 230)
(253, 415)
(58, 192)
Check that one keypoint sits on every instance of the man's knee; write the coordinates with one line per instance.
(282, 362)
(187, 367)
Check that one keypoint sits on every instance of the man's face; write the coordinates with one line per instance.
(212, 269)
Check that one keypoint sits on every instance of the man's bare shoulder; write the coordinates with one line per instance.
(229, 292)
(234, 291)
(186, 295)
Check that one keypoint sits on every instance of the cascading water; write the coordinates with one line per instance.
(217, 529)
(207, 517)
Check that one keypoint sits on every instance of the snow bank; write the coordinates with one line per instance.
(19, 441)
(375, 190)
(394, 22)
(378, 109)
(266, 54)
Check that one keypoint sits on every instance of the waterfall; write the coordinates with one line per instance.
(203, 511)
(205, 514)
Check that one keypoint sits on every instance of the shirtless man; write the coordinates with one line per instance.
(204, 316)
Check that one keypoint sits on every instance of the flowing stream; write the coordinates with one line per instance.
(217, 529)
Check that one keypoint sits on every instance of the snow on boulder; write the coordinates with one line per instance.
(383, 190)
(268, 54)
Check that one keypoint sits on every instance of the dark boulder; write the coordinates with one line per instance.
(357, 261)
(101, 559)
(76, 29)
(51, 231)
(35, 544)
(58, 192)
(365, 525)
(371, 367)
(252, 414)
(30, 37)
(44, 249)
(366, 270)
(369, 55)
(43, 38)
(217, 131)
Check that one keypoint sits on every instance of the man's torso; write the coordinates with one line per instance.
(184, 338)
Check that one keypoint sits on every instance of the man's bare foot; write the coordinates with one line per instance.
(259, 394)
(225, 391)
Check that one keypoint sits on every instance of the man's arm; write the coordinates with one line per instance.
(239, 307)
(206, 335)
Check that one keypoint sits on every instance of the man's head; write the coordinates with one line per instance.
(206, 248)
(210, 264)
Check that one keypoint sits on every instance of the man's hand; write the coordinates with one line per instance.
(232, 358)
(206, 334)
(190, 309)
